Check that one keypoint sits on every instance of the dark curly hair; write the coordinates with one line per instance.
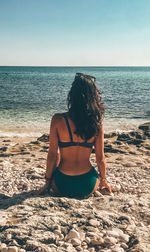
(84, 106)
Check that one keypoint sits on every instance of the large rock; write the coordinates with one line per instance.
(145, 126)
(43, 138)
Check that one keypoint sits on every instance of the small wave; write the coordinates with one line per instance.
(22, 135)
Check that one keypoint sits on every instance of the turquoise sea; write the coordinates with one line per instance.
(29, 96)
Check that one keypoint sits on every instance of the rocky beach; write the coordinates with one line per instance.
(115, 223)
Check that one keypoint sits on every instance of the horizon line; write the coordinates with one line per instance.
(74, 66)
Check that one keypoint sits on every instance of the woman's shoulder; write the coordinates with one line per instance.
(57, 117)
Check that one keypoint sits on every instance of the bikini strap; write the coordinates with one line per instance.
(68, 126)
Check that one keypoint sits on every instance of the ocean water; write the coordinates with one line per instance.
(29, 96)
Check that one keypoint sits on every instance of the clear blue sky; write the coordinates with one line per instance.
(75, 32)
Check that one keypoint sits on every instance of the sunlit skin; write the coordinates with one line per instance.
(74, 160)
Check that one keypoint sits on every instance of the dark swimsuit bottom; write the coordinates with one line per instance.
(77, 185)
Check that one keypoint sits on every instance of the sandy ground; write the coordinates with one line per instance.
(115, 223)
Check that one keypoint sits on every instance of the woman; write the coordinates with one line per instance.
(74, 134)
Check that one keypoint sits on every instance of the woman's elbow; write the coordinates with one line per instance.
(100, 159)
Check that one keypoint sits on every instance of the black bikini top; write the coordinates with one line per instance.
(72, 143)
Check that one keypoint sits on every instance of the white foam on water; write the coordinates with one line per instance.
(121, 125)
(37, 128)
(23, 135)
(24, 129)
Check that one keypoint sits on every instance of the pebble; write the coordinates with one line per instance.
(61, 236)
(110, 240)
(57, 232)
(93, 222)
(75, 242)
(72, 234)
(3, 220)
(124, 238)
(117, 249)
(4, 249)
(116, 188)
(28, 160)
(2, 245)
(57, 227)
(12, 249)
(79, 248)
(85, 247)
(51, 203)
(98, 194)
(91, 249)
(90, 233)
(124, 245)
(9, 237)
(114, 233)
(97, 241)
(84, 243)
(88, 240)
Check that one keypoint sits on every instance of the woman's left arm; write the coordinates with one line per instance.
(52, 153)
(53, 148)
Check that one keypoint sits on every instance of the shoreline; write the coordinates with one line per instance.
(120, 222)
(36, 129)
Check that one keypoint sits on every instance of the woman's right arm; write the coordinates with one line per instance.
(99, 152)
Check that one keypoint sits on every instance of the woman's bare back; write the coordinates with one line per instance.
(74, 160)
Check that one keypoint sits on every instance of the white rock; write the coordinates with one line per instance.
(61, 237)
(110, 240)
(84, 243)
(103, 250)
(60, 243)
(75, 242)
(124, 245)
(124, 238)
(117, 249)
(57, 232)
(88, 240)
(91, 249)
(3, 220)
(116, 188)
(2, 245)
(8, 237)
(98, 194)
(93, 222)
(97, 241)
(112, 233)
(79, 248)
(12, 249)
(70, 248)
(72, 234)
(91, 234)
(117, 230)
(85, 247)
(21, 250)
(131, 227)
(4, 249)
